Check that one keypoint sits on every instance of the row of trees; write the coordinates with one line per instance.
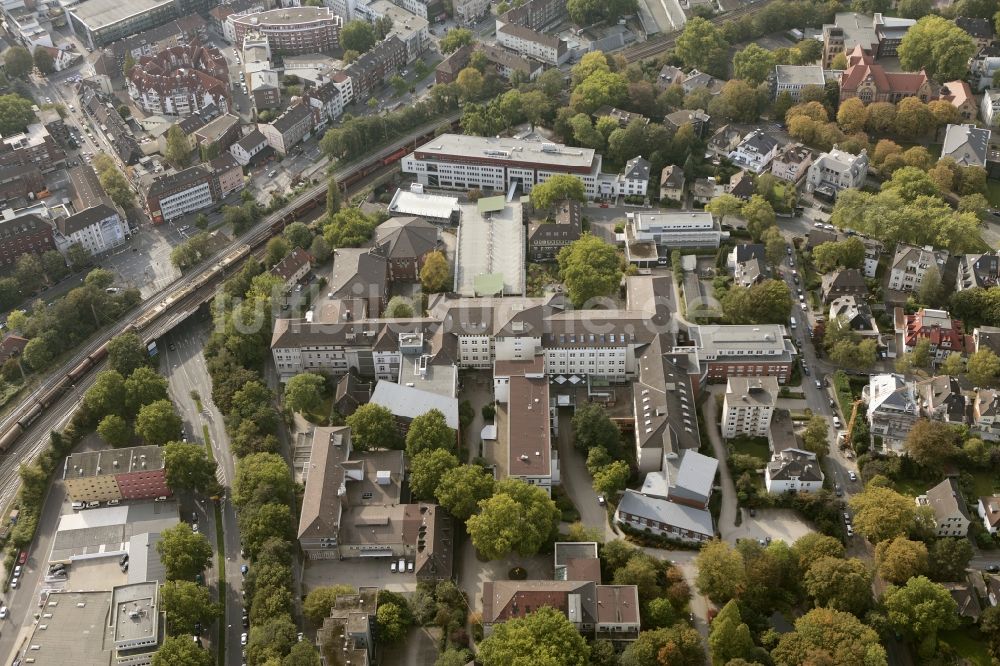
(33, 271)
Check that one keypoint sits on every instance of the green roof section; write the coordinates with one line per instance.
(491, 204)
(488, 284)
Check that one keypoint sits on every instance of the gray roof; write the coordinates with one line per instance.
(667, 512)
(760, 390)
(85, 218)
(795, 463)
(637, 169)
(252, 140)
(410, 402)
(802, 75)
(695, 477)
(664, 401)
(292, 117)
(357, 270)
(946, 500)
(977, 27)
(75, 630)
(967, 144)
(672, 176)
(405, 238)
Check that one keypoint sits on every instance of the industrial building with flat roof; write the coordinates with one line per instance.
(113, 474)
(100, 22)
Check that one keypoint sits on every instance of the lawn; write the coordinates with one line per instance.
(993, 192)
(912, 487)
(968, 644)
(754, 446)
(985, 483)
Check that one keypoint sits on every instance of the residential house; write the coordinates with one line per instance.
(989, 510)
(376, 66)
(669, 76)
(837, 170)
(724, 141)
(96, 223)
(295, 266)
(986, 337)
(546, 239)
(697, 118)
(248, 147)
(910, 264)
(983, 65)
(634, 180)
(12, 346)
(227, 175)
(873, 250)
(817, 237)
(855, 314)
(350, 394)
(704, 190)
(672, 183)
(989, 109)
(870, 82)
(941, 399)
(893, 408)
(792, 162)
(792, 79)
(980, 29)
(748, 406)
(749, 265)
(951, 519)
(986, 414)
(945, 334)
(405, 243)
(741, 186)
(24, 231)
(966, 599)
(844, 282)
(288, 129)
(977, 270)
(968, 145)
(622, 117)
(793, 470)
(755, 152)
(959, 94)
(550, 49)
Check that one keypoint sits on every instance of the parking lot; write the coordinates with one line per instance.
(778, 524)
(357, 572)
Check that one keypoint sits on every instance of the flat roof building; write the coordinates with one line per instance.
(100, 22)
(292, 30)
(75, 628)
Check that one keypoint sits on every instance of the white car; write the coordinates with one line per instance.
(3, 612)
(852, 476)
(243, 638)
(194, 528)
(392, 567)
(13, 583)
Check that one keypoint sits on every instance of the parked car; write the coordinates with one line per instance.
(401, 565)
(3, 612)
(243, 638)
(22, 557)
(392, 567)
(852, 476)
(991, 568)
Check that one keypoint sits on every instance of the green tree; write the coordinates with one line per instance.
(143, 387)
(612, 479)
(848, 253)
(843, 585)
(15, 111)
(399, 307)
(518, 517)
(767, 302)
(184, 553)
(29, 273)
(721, 574)
(320, 249)
(391, 623)
(106, 395)
(303, 653)
(158, 422)
(852, 116)
(900, 559)
(435, 274)
(188, 467)
(759, 216)
(54, 266)
(882, 513)
(753, 64)
(774, 245)
(920, 609)
(18, 62)
(298, 235)
(180, 651)
(723, 206)
(357, 36)
(304, 392)
(373, 426)
(931, 443)
(599, 89)
(470, 84)
(983, 368)
(730, 637)
(178, 151)
(262, 478)
(114, 430)
(590, 268)
(556, 189)
(828, 636)
(953, 364)
(949, 558)
(702, 45)
(126, 352)
(427, 468)
(186, 604)
(455, 39)
(429, 431)
(453, 657)
(319, 601)
(276, 250)
(914, 9)
(937, 46)
(270, 639)
(816, 437)
(44, 61)
(544, 636)
(659, 613)
(592, 427)
(269, 521)
(39, 352)
(461, 489)
(813, 546)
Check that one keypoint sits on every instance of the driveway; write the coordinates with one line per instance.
(576, 480)
(727, 516)
(357, 572)
(472, 573)
(779, 524)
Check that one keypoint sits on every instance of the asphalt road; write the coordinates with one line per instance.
(185, 369)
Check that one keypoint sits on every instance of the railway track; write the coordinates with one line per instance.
(663, 43)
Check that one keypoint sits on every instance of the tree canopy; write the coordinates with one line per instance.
(427, 432)
(358, 36)
(937, 46)
(828, 636)
(882, 513)
(188, 467)
(455, 39)
(590, 268)
(304, 392)
(158, 422)
(703, 46)
(427, 468)
(184, 553)
(518, 517)
(555, 189)
(373, 426)
(545, 636)
(461, 489)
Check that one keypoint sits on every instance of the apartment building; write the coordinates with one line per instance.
(968, 145)
(951, 518)
(525, 419)
(288, 129)
(893, 408)
(292, 30)
(171, 196)
(34, 147)
(546, 239)
(793, 470)
(748, 406)
(741, 351)
(910, 264)
(983, 65)
(468, 12)
(989, 108)
(529, 43)
(180, 81)
(945, 334)
(115, 474)
(407, 27)
(755, 152)
(837, 170)
(24, 231)
(792, 162)
(978, 270)
(634, 180)
(150, 42)
(227, 176)
(375, 66)
(326, 102)
(248, 147)
(95, 223)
